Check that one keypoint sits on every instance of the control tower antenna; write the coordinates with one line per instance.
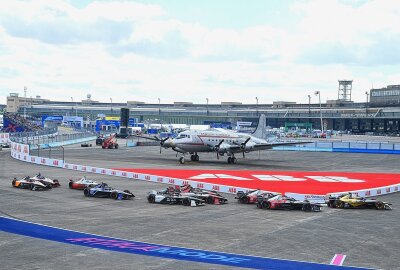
(344, 92)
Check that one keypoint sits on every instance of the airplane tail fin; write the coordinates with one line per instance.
(260, 131)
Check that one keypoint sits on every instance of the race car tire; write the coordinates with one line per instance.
(306, 207)
(339, 204)
(114, 195)
(379, 205)
(31, 186)
(86, 192)
(13, 183)
(70, 184)
(265, 205)
(116, 146)
(244, 199)
(56, 183)
(186, 202)
(210, 200)
(151, 198)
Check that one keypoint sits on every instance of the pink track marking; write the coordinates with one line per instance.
(338, 259)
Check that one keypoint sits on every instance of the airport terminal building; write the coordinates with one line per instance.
(381, 114)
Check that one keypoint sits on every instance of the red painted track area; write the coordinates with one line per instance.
(319, 183)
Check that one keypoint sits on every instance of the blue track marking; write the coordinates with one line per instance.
(35, 230)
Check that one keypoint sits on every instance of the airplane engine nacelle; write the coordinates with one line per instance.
(249, 147)
(224, 148)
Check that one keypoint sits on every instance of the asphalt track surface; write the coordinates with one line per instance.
(369, 238)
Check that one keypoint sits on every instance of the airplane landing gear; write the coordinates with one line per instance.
(182, 160)
(231, 160)
(195, 157)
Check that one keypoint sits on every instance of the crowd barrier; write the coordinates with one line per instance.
(4, 138)
(21, 152)
(345, 147)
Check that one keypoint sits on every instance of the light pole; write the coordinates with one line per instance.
(207, 106)
(320, 109)
(257, 106)
(366, 104)
(111, 105)
(159, 106)
(72, 102)
(309, 106)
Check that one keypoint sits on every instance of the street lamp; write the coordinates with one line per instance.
(257, 106)
(159, 106)
(111, 105)
(366, 104)
(320, 109)
(309, 105)
(207, 106)
(72, 103)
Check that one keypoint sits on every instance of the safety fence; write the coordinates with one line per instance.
(346, 147)
(4, 137)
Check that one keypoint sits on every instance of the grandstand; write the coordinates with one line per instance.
(13, 122)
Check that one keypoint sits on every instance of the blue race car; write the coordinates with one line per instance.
(104, 191)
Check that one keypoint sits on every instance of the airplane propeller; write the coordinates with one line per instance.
(162, 141)
(217, 147)
(243, 145)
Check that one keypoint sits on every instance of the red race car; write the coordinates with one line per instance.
(287, 203)
(251, 196)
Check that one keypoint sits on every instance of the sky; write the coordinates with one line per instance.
(190, 50)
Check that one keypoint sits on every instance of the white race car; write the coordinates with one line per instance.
(46, 181)
(82, 183)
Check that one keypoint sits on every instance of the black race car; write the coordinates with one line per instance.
(171, 196)
(210, 197)
(86, 144)
(104, 191)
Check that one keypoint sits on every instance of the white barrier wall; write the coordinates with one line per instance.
(4, 137)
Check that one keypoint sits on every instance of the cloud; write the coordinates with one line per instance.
(134, 51)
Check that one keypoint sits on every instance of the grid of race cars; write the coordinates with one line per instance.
(188, 196)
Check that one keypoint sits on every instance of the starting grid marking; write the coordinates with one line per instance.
(35, 230)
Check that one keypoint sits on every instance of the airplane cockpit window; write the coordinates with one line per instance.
(181, 136)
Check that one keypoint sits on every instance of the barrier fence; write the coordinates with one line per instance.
(347, 147)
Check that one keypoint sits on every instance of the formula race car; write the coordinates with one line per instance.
(86, 144)
(351, 201)
(28, 183)
(170, 196)
(4, 145)
(104, 191)
(82, 183)
(287, 203)
(46, 181)
(251, 196)
(210, 197)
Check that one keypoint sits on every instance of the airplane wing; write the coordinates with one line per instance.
(262, 146)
